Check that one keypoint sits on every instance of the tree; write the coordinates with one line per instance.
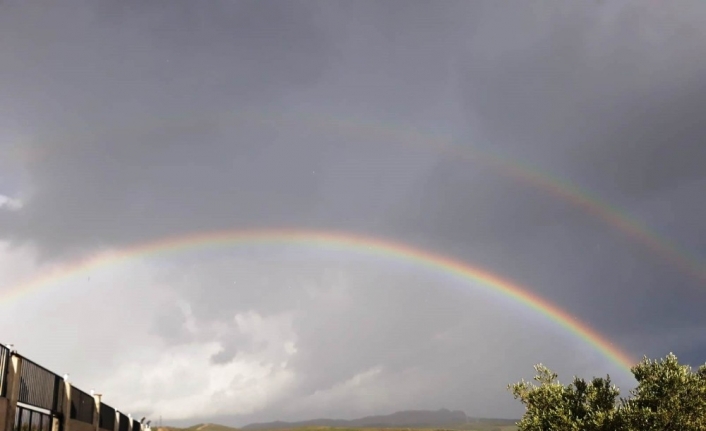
(668, 397)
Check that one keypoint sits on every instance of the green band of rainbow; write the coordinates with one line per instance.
(368, 245)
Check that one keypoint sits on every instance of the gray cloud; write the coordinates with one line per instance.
(595, 88)
(127, 122)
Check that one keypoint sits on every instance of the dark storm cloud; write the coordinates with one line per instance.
(197, 160)
(472, 201)
(182, 170)
(614, 88)
(174, 58)
(161, 63)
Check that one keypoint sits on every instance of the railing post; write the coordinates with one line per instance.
(58, 422)
(61, 423)
(67, 406)
(96, 417)
(13, 390)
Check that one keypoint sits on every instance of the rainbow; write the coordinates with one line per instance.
(611, 215)
(340, 240)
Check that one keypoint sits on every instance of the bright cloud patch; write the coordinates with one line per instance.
(182, 381)
(10, 203)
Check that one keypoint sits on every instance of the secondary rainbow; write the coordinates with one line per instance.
(684, 261)
(347, 241)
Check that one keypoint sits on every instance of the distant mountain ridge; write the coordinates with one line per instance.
(401, 419)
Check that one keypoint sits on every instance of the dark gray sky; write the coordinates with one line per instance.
(123, 122)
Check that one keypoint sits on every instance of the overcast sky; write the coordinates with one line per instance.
(123, 122)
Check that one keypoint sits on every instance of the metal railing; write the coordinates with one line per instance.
(123, 422)
(106, 418)
(4, 369)
(32, 420)
(83, 406)
(40, 387)
(41, 399)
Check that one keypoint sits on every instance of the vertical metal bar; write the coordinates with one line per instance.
(4, 367)
(55, 394)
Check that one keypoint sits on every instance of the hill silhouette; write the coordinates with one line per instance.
(432, 420)
(198, 427)
(402, 419)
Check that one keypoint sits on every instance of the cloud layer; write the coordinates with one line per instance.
(125, 123)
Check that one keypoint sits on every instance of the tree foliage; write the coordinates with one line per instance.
(668, 397)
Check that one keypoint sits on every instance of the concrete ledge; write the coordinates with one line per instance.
(80, 426)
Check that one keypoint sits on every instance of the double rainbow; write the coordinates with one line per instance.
(619, 219)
